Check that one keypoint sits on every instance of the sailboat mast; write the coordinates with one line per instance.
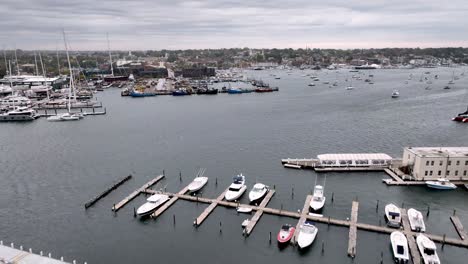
(35, 64)
(17, 65)
(6, 64)
(44, 74)
(58, 63)
(71, 72)
(9, 64)
(110, 55)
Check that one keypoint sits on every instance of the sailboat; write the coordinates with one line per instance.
(112, 77)
(68, 116)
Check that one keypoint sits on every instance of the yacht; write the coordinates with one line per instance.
(257, 193)
(307, 233)
(285, 234)
(416, 220)
(393, 215)
(318, 199)
(14, 100)
(197, 184)
(152, 203)
(395, 94)
(236, 189)
(19, 114)
(428, 249)
(65, 117)
(441, 184)
(399, 247)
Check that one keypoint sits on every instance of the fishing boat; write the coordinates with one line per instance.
(395, 94)
(264, 90)
(19, 114)
(393, 215)
(257, 193)
(244, 210)
(307, 233)
(416, 220)
(399, 247)
(428, 249)
(441, 184)
(285, 234)
(197, 184)
(318, 199)
(236, 189)
(152, 203)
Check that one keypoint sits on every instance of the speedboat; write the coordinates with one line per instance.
(152, 203)
(318, 200)
(395, 94)
(258, 191)
(441, 184)
(285, 234)
(427, 248)
(393, 215)
(236, 189)
(399, 247)
(416, 220)
(307, 233)
(197, 184)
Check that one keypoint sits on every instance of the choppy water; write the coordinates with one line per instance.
(49, 170)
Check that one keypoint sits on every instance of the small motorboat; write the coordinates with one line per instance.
(399, 247)
(244, 210)
(236, 189)
(181, 92)
(65, 117)
(395, 94)
(234, 91)
(197, 184)
(393, 215)
(311, 84)
(416, 220)
(441, 184)
(428, 249)
(318, 200)
(258, 191)
(285, 234)
(307, 233)
(349, 88)
(152, 203)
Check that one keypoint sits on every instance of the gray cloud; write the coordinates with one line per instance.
(174, 24)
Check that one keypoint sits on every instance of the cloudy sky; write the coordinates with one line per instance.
(177, 24)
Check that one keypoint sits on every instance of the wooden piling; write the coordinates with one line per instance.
(134, 194)
(106, 192)
(259, 212)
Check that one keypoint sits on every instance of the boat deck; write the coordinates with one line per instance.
(353, 230)
(134, 194)
(259, 212)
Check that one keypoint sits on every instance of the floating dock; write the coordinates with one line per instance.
(210, 208)
(416, 258)
(459, 227)
(134, 194)
(20, 256)
(302, 219)
(248, 229)
(353, 230)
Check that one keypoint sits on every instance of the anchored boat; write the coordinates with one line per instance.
(441, 184)
(257, 193)
(285, 234)
(152, 203)
(236, 189)
(318, 199)
(197, 184)
(428, 249)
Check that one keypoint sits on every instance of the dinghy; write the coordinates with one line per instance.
(285, 234)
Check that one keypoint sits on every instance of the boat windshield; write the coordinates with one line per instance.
(308, 229)
(285, 228)
(400, 249)
(257, 189)
(317, 199)
(429, 251)
(234, 189)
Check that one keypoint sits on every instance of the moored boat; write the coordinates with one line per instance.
(244, 210)
(441, 184)
(152, 203)
(318, 199)
(236, 189)
(257, 193)
(393, 215)
(285, 234)
(416, 220)
(428, 249)
(180, 92)
(197, 184)
(307, 233)
(19, 114)
(395, 94)
(399, 247)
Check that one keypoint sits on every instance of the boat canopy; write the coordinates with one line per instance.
(359, 159)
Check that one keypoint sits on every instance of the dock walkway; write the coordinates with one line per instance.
(210, 208)
(168, 204)
(302, 219)
(258, 213)
(459, 227)
(410, 237)
(353, 230)
(134, 194)
(13, 255)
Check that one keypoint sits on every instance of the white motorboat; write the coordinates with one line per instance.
(307, 233)
(152, 203)
(244, 210)
(399, 247)
(197, 184)
(258, 191)
(416, 220)
(19, 114)
(393, 215)
(318, 199)
(64, 117)
(349, 88)
(441, 184)
(236, 189)
(311, 84)
(395, 94)
(428, 249)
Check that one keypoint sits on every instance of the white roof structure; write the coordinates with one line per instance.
(355, 156)
(440, 152)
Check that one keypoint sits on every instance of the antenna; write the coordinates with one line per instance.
(58, 62)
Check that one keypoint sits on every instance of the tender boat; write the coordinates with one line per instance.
(19, 114)
(416, 220)
(236, 189)
(307, 233)
(197, 184)
(395, 94)
(152, 203)
(428, 249)
(441, 184)
(258, 191)
(285, 234)
(318, 200)
(393, 215)
(244, 210)
(399, 247)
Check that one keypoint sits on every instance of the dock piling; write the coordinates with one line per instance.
(428, 211)
(443, 242)
(180, 176)
(173, 217)
(333, 197)
(269, 237)
(323, 247)
(134, 212)
(377, 206)
(220, 227)
(292, 193)
(216, 181)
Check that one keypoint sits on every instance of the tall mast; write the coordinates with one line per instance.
(17, 65)
(70, 68)
(9, 63)
(44, 74)
(35, 64)
(110, 55)
(6, 63)
(58, 63)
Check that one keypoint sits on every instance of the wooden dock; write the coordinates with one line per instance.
(393, 175)
(304, 213)
(248, 229)
(210, 208)
(353, 230)
(134, 194)
(459, 227)
(410, 237)
(168, 204)
(106, 192)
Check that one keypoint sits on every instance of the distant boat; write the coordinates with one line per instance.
(136, 93)
(19, 114)
(207, 91)
(311, 84)
(234, 91)
(180, 92)
(399, 247)
(307, 233)
(349, 88)
(277, 78)
(416, 220)
(152, 203)
(395, 94)
(462, 117)
(258, 191)
(285, 234)
(428, 249)
(236, 189)
(393, 215)
(64, 117)
(441, 184)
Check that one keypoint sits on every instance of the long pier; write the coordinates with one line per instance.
(353, 230)
(458, 226)
(134, 194)
(302, 219)
(410, 237)
(248, 229)
(210, 208)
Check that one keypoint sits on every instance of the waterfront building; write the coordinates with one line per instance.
(429, 163)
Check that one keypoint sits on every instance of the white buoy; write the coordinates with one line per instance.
(74, 261)
(21, 247)
(61, 258)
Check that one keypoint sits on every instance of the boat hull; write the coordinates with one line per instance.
(435, 185)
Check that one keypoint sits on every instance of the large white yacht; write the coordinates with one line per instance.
(236, 189)
(19, 114)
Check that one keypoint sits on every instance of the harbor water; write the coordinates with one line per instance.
(49, 170)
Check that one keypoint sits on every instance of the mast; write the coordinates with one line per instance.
(35, 64)
(44, 74)
(71, 72)
(110, 55)
(17, 65)
(6, 64)
(11, 83)
(58, 63)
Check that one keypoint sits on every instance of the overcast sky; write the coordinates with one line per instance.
(177, 24)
